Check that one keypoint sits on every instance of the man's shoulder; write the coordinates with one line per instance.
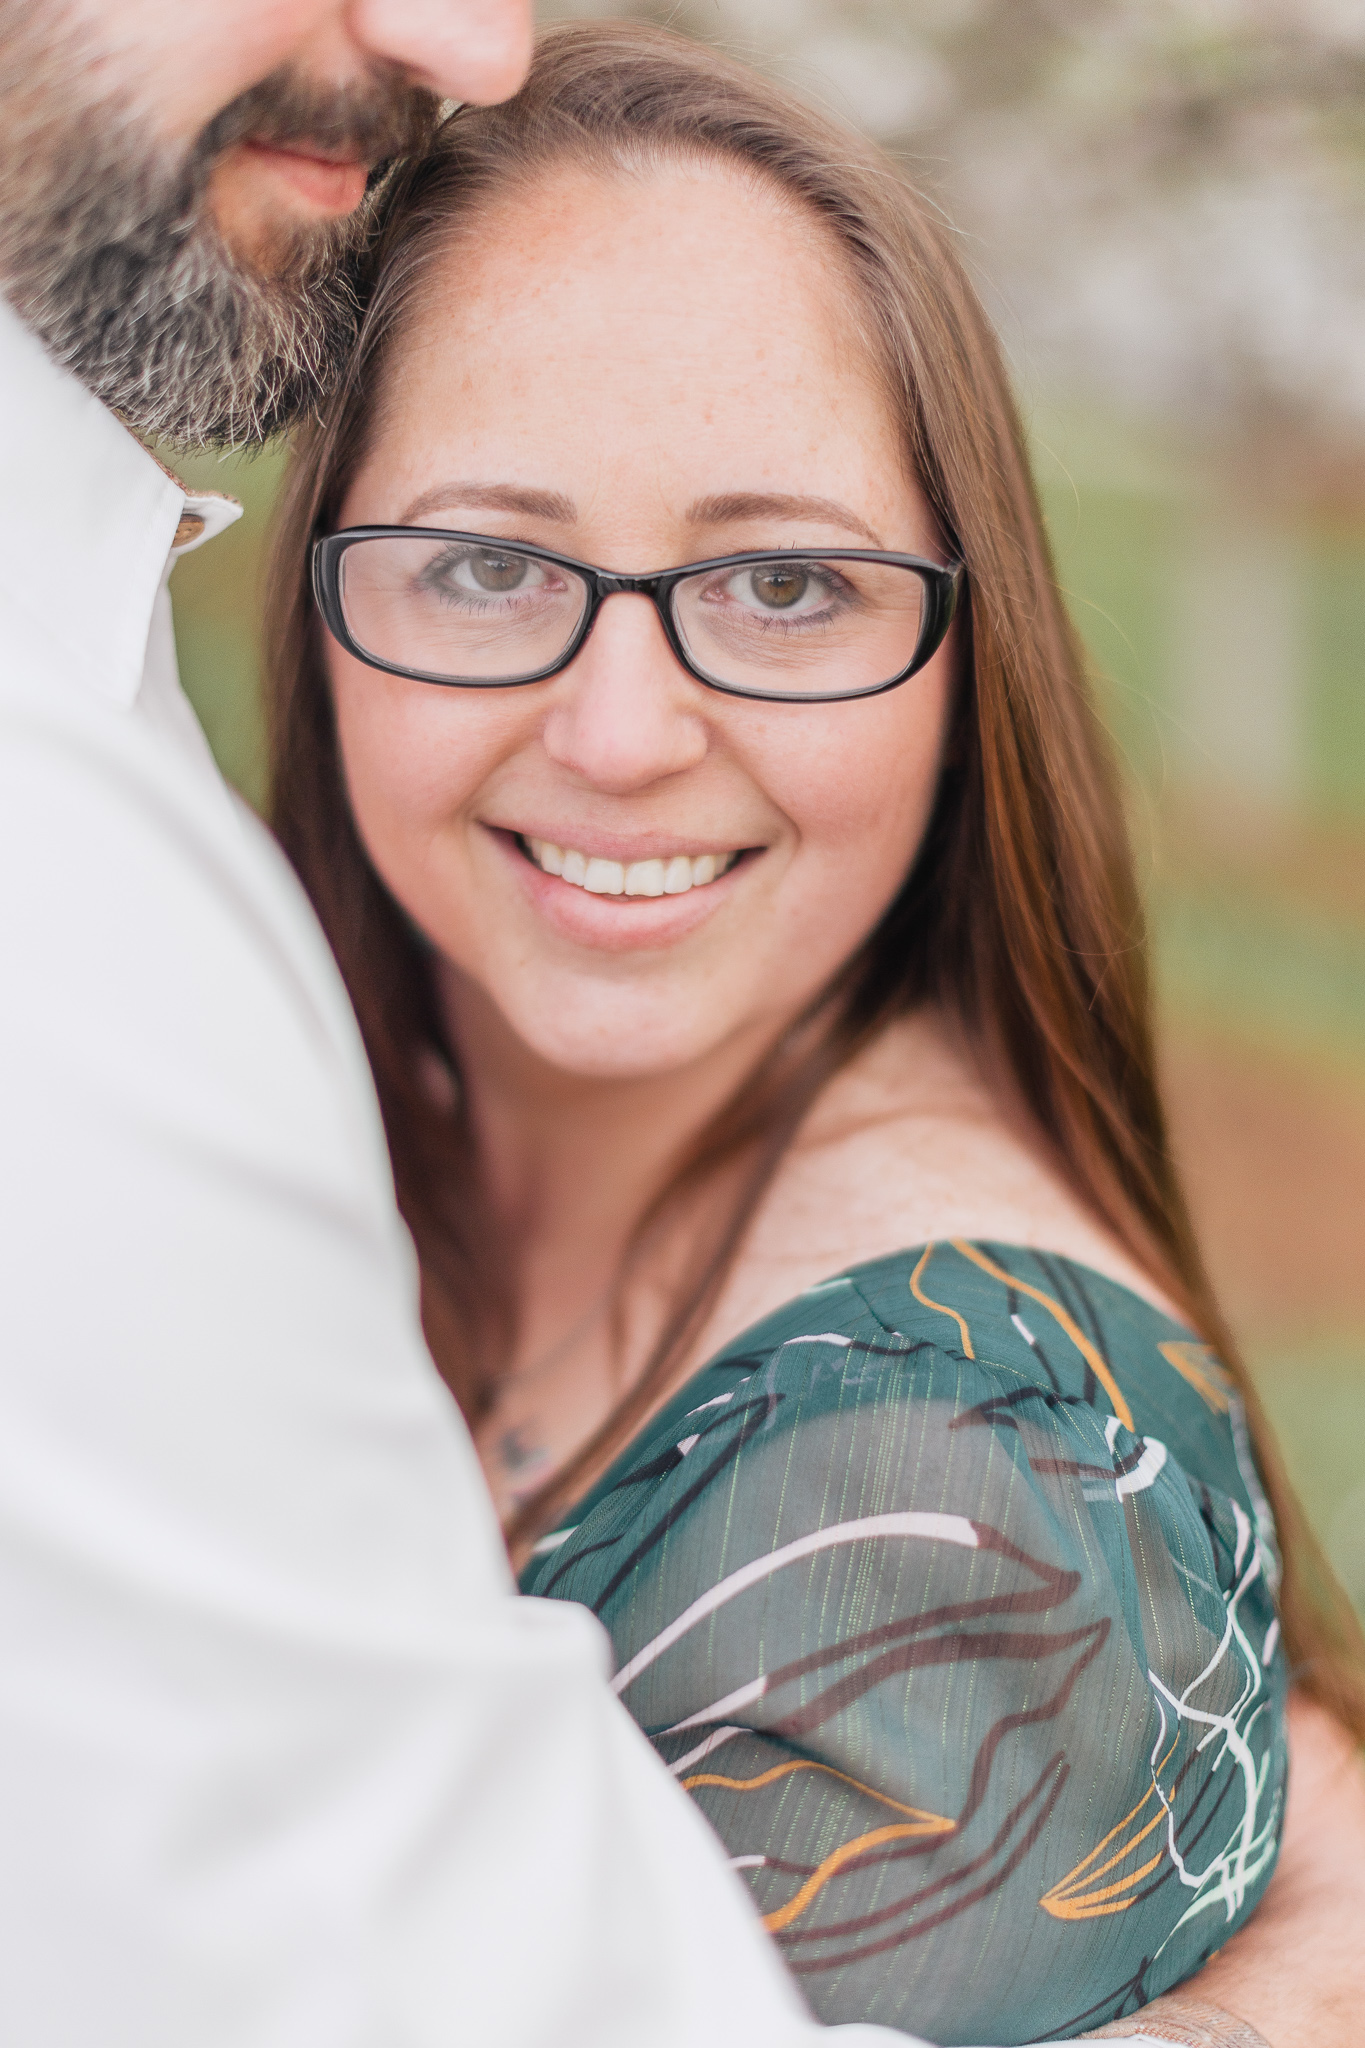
(133, 887)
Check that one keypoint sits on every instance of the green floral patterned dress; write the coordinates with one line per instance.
(948, 1591)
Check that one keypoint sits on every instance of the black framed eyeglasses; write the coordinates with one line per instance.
(472, 612)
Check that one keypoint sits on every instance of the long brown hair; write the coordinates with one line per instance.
(1021, 915)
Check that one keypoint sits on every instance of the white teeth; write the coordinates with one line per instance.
(645, 878)
(642, 878)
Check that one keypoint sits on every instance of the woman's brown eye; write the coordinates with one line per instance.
(497, 572)
(780, 588)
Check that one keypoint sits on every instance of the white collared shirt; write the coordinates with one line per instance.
(283, 1757)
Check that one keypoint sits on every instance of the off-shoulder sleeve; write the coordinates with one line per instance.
(978, 1682)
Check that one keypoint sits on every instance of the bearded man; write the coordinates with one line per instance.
(283, 1759)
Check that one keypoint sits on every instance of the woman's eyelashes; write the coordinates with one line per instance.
(779, 593)
(672, 877)
(478, 577)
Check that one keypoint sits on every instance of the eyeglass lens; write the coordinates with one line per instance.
(795, 624)
(482, 613)
(459, 612)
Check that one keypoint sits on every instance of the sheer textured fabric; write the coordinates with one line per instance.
(948, 1592)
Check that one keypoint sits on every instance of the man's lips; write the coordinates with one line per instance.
(327, 185)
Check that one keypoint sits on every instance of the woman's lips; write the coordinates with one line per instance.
(325, 185)
(606, 877)
(614, 923)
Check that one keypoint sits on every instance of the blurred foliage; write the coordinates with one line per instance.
(219, 591)
(1163, 200)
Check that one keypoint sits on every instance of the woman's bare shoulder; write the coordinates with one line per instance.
(911, 1143)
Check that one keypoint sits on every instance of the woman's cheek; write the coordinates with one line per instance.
(860, 796)
(411, 758)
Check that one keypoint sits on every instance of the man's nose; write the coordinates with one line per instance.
(476, 50)
(625, 714)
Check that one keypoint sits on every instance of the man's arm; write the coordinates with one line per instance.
(283, 1759)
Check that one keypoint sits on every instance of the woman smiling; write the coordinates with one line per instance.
(699, 786)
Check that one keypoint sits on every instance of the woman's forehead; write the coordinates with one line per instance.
(686, 329)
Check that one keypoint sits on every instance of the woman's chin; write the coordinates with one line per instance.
(611, 1043)
(594, 1015)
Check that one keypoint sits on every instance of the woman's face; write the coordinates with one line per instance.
(639, 372)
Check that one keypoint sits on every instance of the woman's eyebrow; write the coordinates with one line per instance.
(735, 505)
(490, 498)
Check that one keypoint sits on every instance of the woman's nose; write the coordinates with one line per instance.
(625, 713)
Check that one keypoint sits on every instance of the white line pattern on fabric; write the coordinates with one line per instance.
(742, 1696)
(1227, 1876)
(1144, 1472)
(718, 1402)
(928, 1526)
(716, 1740)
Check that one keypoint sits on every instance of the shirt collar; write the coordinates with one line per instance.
(88, 518)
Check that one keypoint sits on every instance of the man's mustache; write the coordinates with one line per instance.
(368, 122)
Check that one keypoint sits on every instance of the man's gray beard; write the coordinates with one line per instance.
(147, 306)
(108, 250)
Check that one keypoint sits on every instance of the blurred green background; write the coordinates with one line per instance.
(1163, 202)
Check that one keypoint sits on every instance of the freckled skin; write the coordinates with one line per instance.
(638, 345)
